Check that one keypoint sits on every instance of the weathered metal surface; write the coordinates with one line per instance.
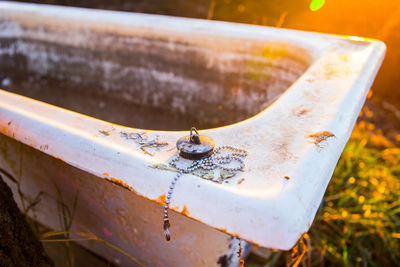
(112, 211)
(262, 205)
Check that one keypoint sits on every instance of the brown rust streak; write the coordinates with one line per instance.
(106, 133)
(185, 211)
(161, 199)
(226, 232)
(119, 182)
(222, 230)
(321, 136)
(3, 130)
(60, 159)
(302, 112)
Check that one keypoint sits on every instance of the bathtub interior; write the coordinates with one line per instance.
(149, 82)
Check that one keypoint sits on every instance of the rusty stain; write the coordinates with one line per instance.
(9, 123)
(287, 177)
(105, 174)
(240, 180)
(120, 183)
(104, 132)
(321, 136)
(222, 230)
(302, 112)
(4, 130)
(161, 199)
(185, 211)
(60, 159)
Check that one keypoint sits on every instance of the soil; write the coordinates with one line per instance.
(18, 244)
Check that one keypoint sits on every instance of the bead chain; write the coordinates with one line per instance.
(215, 160)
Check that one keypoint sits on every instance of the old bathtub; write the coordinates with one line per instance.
(77, 83)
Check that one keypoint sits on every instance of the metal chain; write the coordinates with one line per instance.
(218, 159)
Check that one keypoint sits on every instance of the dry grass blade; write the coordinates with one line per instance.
(298, 252)
(86, 235)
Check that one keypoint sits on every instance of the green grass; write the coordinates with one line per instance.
(358, 223)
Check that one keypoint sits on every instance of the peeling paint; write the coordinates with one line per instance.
(320, 137)
(104, 132)
(185, 211)
(205, 174)
(59, 158)
(120, 183)
(161, 199)
(144, 141)
(302, 112)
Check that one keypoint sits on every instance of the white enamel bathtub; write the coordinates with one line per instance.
(290, 98)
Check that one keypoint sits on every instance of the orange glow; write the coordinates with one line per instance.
(356, 38)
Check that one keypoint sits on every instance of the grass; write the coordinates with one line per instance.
(358, 223)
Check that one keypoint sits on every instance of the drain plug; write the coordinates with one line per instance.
(195, 146)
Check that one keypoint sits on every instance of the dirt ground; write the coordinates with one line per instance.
(19, 246)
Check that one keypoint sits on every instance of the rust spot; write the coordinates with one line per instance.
(106, 133)
(60, 159)
(302, 112)
(222, 230)
(120, 183)
(105, 174)
(9, 123)
(3, 130)
(287, 177)
(240, 181)
(321, 136)
(161, 199)
(185, 211)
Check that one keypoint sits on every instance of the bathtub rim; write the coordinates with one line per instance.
(365, 57)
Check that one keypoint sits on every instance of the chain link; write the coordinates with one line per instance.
(221, 158)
